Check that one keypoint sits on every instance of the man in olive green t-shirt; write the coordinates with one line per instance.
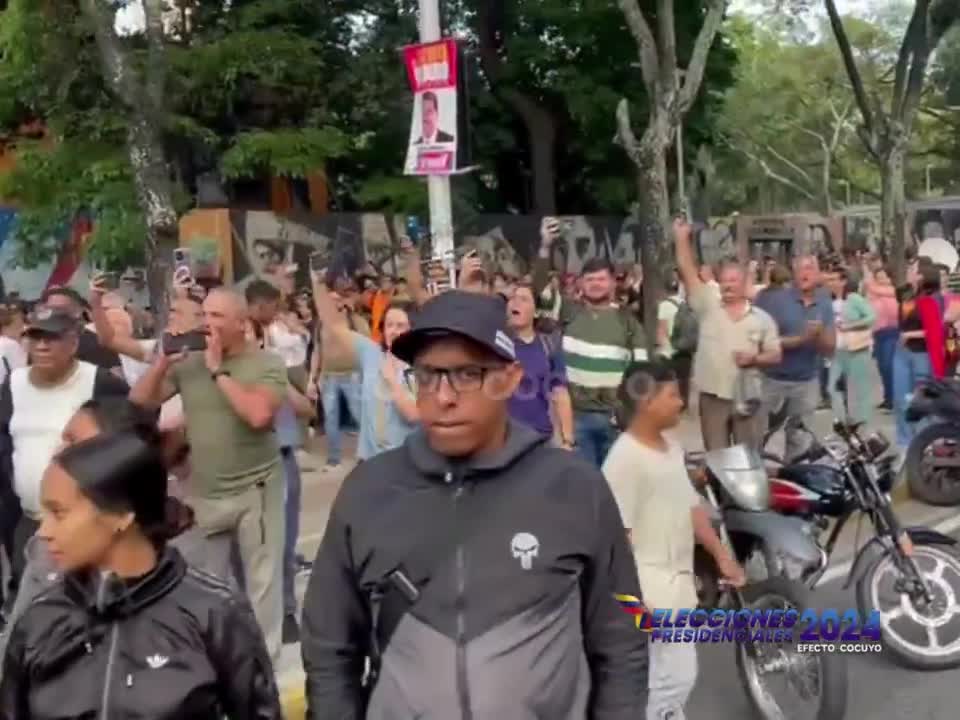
(231, 393)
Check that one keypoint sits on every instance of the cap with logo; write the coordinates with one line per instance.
(51, 321)
(477, 317)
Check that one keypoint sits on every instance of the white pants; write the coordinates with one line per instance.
(673, 673)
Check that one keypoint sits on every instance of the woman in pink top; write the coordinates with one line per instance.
(879, 290)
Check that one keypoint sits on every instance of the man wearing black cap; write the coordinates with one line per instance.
(35, 404)
(475, 565)
(68, 301)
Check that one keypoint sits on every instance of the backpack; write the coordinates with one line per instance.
(686, 328)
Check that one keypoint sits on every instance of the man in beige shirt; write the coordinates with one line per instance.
(664, 519)
(736, 339)
(335, 376)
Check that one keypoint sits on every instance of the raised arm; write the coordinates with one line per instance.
(413, 272)
(122, 345)
(540, 271)
(686, 260)
(332, 320)
(156, 385)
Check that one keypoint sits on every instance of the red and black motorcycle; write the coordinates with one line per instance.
(911, 575)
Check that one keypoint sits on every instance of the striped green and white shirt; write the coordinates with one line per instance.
(596, 352)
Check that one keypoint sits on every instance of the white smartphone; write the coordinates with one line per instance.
(182, 258)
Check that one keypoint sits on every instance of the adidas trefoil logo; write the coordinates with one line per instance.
(157, 661)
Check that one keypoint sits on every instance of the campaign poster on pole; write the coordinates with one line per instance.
(432, 71)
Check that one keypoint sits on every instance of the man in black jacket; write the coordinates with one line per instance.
(475, 566)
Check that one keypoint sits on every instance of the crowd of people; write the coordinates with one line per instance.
(517, 466)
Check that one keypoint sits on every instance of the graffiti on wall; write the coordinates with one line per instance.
(506, 243)
(258, 242)
(263, 241)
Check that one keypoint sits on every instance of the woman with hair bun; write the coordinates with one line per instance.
(113, 414)
(129, 630)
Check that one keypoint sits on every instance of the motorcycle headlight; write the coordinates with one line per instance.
(877, 444)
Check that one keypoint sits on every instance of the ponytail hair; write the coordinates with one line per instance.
(119, 472)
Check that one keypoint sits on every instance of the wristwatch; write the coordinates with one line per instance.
(219, 373)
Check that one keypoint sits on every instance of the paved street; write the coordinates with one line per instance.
(879, 690)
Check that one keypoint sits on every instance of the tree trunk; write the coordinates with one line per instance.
(154, 193)
(893, 212)
(140, 91)
(656, 254)
(825, 179)
(542, 135)
(537, 119)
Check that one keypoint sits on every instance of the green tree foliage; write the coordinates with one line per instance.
(244, 96)
(259, 87)
(790, 89)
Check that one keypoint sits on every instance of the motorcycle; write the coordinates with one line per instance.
(932, 463)
(905, 573)
(738, 491)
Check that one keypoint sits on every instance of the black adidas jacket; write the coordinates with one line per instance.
(176, 644)
(516, 558)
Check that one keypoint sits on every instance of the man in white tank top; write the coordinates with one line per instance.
(35, 404)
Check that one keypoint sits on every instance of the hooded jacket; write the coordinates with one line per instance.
(515, 617)
(176, 643)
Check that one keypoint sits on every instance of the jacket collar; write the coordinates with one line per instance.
(109, 597)
(521, 440)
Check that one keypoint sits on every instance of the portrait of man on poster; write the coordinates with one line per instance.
(431, 134)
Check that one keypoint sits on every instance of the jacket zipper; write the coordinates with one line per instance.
(463, 687)
(108, 681)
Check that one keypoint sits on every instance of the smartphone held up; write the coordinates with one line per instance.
(194, 341)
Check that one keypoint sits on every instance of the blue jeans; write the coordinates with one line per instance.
(884, 348)
(333, 387)
(594, 434)
(909, 369)
(293, 485)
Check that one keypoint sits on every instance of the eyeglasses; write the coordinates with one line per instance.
(463, 379)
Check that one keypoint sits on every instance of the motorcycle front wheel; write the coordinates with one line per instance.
(929, 482)
(920, 635)
(817, 681)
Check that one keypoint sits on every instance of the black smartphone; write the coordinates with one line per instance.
(195, 341)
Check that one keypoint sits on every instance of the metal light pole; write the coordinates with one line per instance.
(438, 186)
(929, 183)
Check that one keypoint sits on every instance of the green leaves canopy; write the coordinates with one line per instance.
(286, 87)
